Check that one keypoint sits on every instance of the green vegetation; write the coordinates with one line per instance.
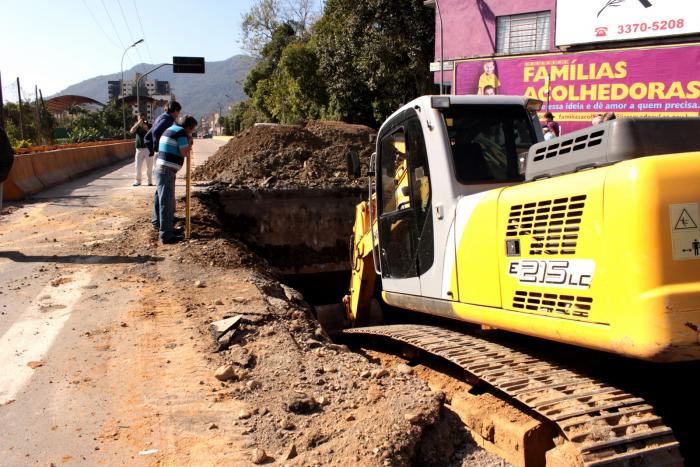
(357, 63)
(85, 125)
(82, 125)
(32, 131)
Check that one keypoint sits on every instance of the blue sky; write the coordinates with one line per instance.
(56, 43)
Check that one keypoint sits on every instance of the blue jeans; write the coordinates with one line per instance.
(163, 216)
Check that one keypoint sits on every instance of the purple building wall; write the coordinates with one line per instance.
(632, 79)
(469, 26)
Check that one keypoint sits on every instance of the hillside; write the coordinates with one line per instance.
(198, 94)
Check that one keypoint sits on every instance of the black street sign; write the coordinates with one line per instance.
(188, 64)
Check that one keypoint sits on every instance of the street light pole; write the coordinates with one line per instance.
(442, 52)
(138, 83)
(121, 86)
(219, 119)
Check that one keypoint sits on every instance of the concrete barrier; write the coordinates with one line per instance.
(32, 173)
(22, 181)
(222, 138)
(53, 167)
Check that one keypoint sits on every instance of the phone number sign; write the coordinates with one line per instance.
(588, 21)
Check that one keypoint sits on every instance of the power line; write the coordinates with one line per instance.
(143, 33)
(112, 22)
(99, 25)
(131, 36)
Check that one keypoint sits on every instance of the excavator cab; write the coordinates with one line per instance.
(472, 144)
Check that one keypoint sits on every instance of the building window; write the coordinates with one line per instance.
(528, 32)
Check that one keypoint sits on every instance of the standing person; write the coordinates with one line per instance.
(551, 124)
(162, 123)
(140, 129)
(173, 147)
(7, 158)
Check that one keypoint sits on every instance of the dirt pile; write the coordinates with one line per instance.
(306, 395)
(286, 156)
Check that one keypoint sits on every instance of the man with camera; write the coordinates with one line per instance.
(140, 129)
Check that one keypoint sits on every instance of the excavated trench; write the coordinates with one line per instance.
(303, 233)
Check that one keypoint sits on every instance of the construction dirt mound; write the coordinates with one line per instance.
(286, 156)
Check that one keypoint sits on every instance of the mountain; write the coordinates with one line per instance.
(199, 94)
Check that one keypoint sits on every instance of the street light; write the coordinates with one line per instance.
(138, 84)
(442, 51)
(436, 5)
(121, 85)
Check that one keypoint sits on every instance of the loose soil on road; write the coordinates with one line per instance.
(292, 396)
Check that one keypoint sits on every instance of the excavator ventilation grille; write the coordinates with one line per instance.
(552, 224)
(565, 146)
(567, 305)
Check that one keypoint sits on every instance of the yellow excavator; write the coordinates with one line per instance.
(591, 239)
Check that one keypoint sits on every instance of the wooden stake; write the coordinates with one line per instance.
(19, 103)
(37, 117)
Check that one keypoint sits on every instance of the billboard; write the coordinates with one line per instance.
(644, 82)
(586, 21)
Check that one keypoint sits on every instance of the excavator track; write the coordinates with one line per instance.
(607, 426)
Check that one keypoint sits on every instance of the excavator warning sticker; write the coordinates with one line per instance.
(685, 233)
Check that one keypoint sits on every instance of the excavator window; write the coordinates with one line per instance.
(486, 141)
(405, 222)
(395, 195)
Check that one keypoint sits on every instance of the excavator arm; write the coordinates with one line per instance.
(363, 276)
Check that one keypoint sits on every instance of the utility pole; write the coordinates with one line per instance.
(37, 124)
(121, 87)
(19, 102)
(2, 105)
(49, 138)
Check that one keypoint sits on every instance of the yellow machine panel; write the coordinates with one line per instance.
(477, 270)
(557, 227)
(591, 263)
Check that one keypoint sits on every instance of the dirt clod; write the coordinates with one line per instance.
(225, 373)
(290, 453)
(302, 404)
(259, 456)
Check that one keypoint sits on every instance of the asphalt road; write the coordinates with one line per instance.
(57, 304)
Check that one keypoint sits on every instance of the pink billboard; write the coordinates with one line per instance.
(575, 87)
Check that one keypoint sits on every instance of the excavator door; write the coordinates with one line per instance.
(404, 205)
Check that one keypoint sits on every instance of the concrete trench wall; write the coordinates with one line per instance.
(299, 231)
(32, 173)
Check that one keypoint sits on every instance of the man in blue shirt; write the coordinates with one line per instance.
(162, 123)
(174, 145)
